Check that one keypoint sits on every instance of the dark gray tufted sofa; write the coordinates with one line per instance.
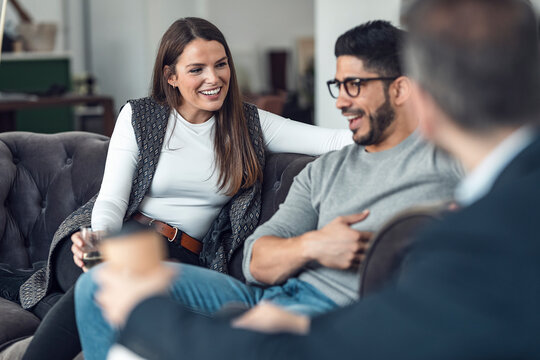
(43, 178)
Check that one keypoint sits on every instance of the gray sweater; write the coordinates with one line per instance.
(348, 181)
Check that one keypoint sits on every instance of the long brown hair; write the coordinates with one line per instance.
(236, 158)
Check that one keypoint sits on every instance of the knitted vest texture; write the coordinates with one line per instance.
(235, 222)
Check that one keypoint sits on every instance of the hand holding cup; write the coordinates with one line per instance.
(85, 247)
(132, 272)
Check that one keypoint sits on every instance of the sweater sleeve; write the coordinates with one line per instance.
(295, 216)
(285, 135)
(112, 201)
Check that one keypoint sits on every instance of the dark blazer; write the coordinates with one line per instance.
(470, 289)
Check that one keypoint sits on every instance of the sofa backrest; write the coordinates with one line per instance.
(279, 173)
(43, 178)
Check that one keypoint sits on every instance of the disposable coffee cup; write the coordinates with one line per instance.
(135, 251)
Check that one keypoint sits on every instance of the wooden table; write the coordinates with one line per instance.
(8, 107)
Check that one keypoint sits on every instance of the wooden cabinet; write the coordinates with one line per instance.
(38, 72)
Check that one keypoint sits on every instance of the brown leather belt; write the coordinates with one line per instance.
(171, 233)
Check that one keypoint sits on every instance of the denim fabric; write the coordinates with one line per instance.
(200, 290)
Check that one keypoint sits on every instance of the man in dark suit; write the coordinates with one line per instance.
(470, 288)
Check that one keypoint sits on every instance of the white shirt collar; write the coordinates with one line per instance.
(479, 182)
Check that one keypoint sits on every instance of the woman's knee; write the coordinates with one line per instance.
(85, 288)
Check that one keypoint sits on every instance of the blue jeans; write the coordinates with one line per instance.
(200, 290)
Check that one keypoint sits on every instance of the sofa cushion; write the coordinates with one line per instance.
(11, 279)
(279, 173)
(15, 349)
(16, 323)
(44, 179)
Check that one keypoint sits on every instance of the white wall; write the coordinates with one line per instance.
(124, 39)
(120, 43)
(73, 30)
(333, 18)
(161, 14)
(252, 27)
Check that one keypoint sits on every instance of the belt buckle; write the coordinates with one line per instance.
(175, 233)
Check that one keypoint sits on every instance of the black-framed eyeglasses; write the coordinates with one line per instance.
(352, 85)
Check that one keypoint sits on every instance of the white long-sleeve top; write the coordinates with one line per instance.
(184, 192)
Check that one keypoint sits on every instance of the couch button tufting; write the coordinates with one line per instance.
(69, 161)
(16, 160)
(43, 204)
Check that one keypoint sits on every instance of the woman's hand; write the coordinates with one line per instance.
(76, 249)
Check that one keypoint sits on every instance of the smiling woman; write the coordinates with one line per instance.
(202, 76)
(187, 160)
(194, 74)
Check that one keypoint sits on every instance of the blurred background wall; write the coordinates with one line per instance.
(115, 40)
(333, 18)
(125, 35)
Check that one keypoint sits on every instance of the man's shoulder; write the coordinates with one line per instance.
(427, 154)
(325, 167)
(334, 157)
(507, 209)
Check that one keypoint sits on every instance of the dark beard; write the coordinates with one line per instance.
(383, 117)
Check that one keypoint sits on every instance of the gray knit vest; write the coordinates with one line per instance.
(235, 222)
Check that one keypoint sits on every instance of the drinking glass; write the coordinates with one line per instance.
(91, 241)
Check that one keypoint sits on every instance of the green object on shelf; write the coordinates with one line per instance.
(38, 75)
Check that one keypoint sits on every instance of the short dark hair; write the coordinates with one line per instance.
(377, 43)
(478, 59)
